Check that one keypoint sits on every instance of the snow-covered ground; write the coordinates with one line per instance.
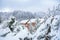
(48, 30)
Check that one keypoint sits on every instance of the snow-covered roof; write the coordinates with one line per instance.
(23, 21)
(41, 20)
(31, 20)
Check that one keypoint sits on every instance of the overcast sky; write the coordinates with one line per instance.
(28, 5)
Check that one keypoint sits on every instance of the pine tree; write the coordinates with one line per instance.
(47, 37)
(0, 19)
(11, 23)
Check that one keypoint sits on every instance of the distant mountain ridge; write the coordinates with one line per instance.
(21, 15)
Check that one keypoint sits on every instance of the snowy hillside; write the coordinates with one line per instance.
(48, 30)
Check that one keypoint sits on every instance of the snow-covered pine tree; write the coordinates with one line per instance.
(49, 12)
(37, 23)
(11, 23)
(58, 7)
(0, 19)
(31, 28)
(47, 36)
